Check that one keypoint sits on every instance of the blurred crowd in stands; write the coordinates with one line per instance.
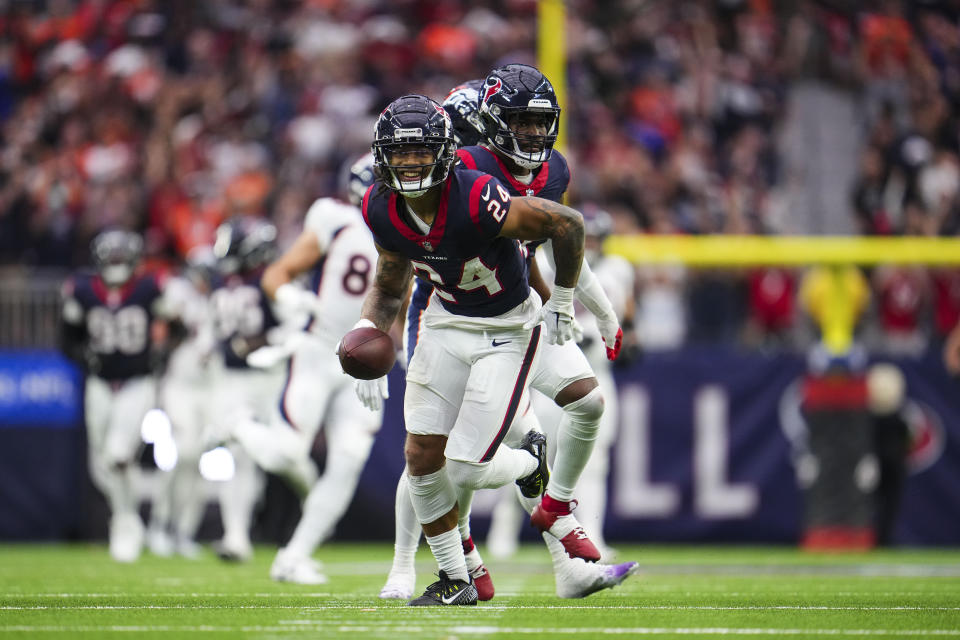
(169, 116)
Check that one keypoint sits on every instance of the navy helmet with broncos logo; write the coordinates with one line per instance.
(513, 96)
(462, 105)
(413, 122)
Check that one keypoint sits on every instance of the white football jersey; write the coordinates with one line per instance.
(189, 361)
(347, 270)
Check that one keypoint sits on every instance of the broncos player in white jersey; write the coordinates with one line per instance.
(188, 384)
(336, 252)
(114, 323)
(243, 321)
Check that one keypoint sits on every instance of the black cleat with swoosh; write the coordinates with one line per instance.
(533, 485)
(446, 592)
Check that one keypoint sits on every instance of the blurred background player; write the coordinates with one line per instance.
(113, 327)
(521, 158)
(242, 318)
(616, 276)
(336, 250)
(186, 389)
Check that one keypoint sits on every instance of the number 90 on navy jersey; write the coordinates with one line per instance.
(473, 270)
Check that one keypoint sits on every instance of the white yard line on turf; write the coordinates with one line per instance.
(478, 609)
(382, 630)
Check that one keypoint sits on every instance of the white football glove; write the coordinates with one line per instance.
(372, 393)
(612, 335)
(557, 316)
(272, 354)
(292, 299)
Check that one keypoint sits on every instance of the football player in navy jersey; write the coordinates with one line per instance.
(112, 326)
(457, 229)
(242, 317)
(520, 114)
(514, 113)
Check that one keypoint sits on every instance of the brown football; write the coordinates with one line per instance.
(367, 353)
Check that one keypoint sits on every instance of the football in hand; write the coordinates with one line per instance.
(367, 353)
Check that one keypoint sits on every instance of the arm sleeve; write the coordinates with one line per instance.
(591, 294)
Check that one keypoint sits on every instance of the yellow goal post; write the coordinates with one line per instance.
(748, 251)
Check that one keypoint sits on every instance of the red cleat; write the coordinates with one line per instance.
(483, 583)
(565, 528)
(481, 577)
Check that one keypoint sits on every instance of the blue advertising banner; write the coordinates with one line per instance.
(39, 388)
(708, 449)
(708, 445)
(42, 446)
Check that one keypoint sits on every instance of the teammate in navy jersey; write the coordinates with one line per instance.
(242, 317)
(112, 327)
(456, 228)
(513, 115)
(518, 108)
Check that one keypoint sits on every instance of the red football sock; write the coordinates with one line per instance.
(554, 506)
(468, 545)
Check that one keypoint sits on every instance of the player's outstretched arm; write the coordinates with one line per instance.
(389, 290)
(532, 218)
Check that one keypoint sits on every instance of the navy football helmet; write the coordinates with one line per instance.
(462, 104)
(359, 177)
(116, 254)
(597, 226)
(410, 123)
(244, 244)
(597, 223)
(519, 95)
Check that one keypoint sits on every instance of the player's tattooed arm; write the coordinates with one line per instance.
(532, 218)
(390, 284)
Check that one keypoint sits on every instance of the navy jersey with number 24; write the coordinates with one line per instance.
(473, 270)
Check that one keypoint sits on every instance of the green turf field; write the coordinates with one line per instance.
(77, 592)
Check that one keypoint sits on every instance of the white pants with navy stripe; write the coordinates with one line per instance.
(468, 385)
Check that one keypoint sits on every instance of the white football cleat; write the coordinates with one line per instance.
(234, 549)
(126, 536)
(187, 548)
(399, 586)
(160, 542)
(298, 570)
(607, 554)
(578, 579)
